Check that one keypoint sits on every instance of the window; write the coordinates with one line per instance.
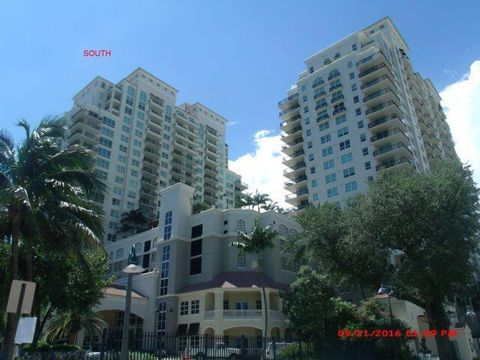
(330, 178)
(349, 64)
(363, 137)
(348, 172)
(307, 121)
(127, 120)
(332, 192)
(241, 225)
(315, 197)
(309, 132)
(195, 307)
(352, 76)
(311, 157)
(305, 109)
(124, 138)
(312, 170)
(340, 119)
(103, 152)
(327, 151)
(358, 111)
(368, 165)
(365, 151)
(360, 125)
(184, 308)
(351, 186)
(328, 164)
(119, 254)
(196, 257)
(314, 183)
(241, 260)
(325, 138)
(344, 145)
(163, 288)
(126, 129)
(305, 98)
(123, 148)
(122, 158)
(355, 99)
(121, 169)
(128, 110)
(346, 158)
(304, 87)
(167, 230)
(135, 162)
(107, 132)
(354, 87)
(108, 122)
(343, 131)
(309, 144)
(324, 126)
(102, 163)
(354, 47)
(197, 231)
(134, 173)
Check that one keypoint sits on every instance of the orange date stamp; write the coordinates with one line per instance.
(386, 333)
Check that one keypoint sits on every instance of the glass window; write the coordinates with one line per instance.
(351, 186)
(328, 164)
(330, 178)
(241, 260)
(332, 192)
(346, 158)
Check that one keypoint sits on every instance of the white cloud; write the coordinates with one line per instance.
(262, 169)
(461, 101)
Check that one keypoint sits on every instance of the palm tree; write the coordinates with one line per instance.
(260, 199)
(134, 220)
(255, 242)
(47, 195)
(69, 323)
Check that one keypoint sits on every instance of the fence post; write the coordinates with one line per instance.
(273, 349)
(103, 344)
(300, 356)
(205, 343)
(242, 347)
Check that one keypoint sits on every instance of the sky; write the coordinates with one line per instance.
(237, 57)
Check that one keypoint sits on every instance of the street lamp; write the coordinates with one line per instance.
(389, 292)
(131, 269)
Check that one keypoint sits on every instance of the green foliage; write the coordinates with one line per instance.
(313, 308)
(292, 352)
(255, 241)
(68, 324)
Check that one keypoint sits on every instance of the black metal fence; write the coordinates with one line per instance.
(160, 346)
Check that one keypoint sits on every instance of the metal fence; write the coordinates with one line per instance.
(160, 346)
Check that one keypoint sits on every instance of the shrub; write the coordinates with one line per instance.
(292, 352)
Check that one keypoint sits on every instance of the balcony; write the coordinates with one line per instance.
(382, 95)
(393, 163)
(290, 109)
(387, 108)
(296, 183)
(374, 72)
(323, 117)
(335, 87)
(339, 110)
(318, 83)
(337, 98)
(374, 59)
(295, 171)
(391, 135)
(241, 314)
(291, 123)
(396, 149)
(321, 106)
(294, 159)
(378, 83)
(386, 122)
(288, 100)
(333, 76)
(320, 94)
(293, 152)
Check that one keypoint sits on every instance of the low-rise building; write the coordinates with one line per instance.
(196, 283)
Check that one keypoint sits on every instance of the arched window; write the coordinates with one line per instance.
(111, 255)
(241, 225)
(327, 61)
(130, 91)
(337, 56)
(143, 96)
(283, 230)
(119, 254)
(241, 260)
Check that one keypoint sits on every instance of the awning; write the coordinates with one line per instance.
(193, 329)
(181, 330)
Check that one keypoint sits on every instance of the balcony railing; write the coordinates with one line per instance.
(295, 168)
(323, 117)
(290, 98)
(337, 98)
(338, 111)
(383, 120)
(333, 76)
(380, 107)
(318, 107)
(242, 314)
(334, 87)
(296, 106)
(379, 93)
(394, 162)
(321, 93)
(318, 83)
(386, 133)
(391, 147)
(375, 81)
(371, 70)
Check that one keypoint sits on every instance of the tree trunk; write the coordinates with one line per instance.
(39, 329)
(438, 321)
(264, 295)
(10, 335)
(29, 258)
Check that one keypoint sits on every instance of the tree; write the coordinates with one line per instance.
(133, 220)
(255, 242)
(47, 195)
(260, 199)
(432, 217)
(313, 307)
(200, 206)
(69, 323)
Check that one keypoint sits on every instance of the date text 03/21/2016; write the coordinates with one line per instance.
(377, 333)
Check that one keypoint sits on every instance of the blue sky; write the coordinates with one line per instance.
(237, 57)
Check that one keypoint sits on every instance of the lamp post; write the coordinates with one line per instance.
(389, 292)
(131, 269)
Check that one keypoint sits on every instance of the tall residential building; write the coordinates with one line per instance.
(358, 109)
(144, 142)
(195, 282)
